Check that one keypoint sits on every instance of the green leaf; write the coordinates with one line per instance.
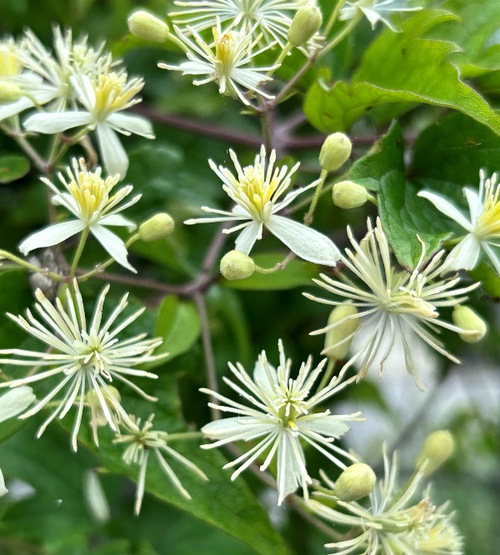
(490, 280)
(399, 67)
(295, 274)
(13, 167)
(454, 149)
(179, 325)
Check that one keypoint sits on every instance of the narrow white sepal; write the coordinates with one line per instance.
(447, 208)
(15, 401)
(113, 245)
(246, 239)
(51, 235)
(464, 256)
(113, 154)
(129, 123)
(3, 489)
(55, 122)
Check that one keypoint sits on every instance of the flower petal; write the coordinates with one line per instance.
(128, 123)
(305, 242)
(119, 220)
(3, 489)
(447, 208)
(113, 154)
(55, 122)
(113, 245)
(246, 239)
(493, 255)
(327, 425)
(51, 235)
(291, 469)
(464, 256)
(15, 401)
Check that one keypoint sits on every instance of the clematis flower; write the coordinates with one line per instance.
(256, 190)
(104, 98)
(279, 414)
(398, 303)
(482, 226)
(85, 356)
(272, 18)
(227, 62)
(396, 520)
(89, 198)
(376, 10)
(143, 440)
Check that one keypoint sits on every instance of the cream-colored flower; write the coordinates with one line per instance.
(91, 200)
(272, 18)
(256, 190)
(398, 304)
(483, 225)
(227, 61)
(393, 522)
(376, 10)
(141, 441)
(85, 355)
(279, 415)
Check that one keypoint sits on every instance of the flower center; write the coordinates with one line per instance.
(224, 52)
(113, 93)
(408, 301)
(289, 404)
(91, 192)
(10, 65)
(489, 221)
(255, 192)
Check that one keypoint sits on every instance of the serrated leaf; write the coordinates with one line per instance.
(399, 67)
(13, 167)
(295, 274)
(179, 325)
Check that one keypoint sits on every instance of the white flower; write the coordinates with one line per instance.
(375, 10)
(11, 404)
(89, 198)
(272, 18)
(392, 523)
(399, 304)
(256, 191)
(483, 225)
(143, 440)
(86, 356)
(226, 61)
(280, 414)
(104, 98)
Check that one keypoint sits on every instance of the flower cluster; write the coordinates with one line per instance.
(74, 87)
(393, 522)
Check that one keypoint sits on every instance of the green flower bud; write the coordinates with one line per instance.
(437, 448)
(357, 481)
(146, 26)
(157, 227)
(347, 194)
(9, 92)
(236, 265)
(305, 24)
(335, 151)
(465, 318)
(340, 332)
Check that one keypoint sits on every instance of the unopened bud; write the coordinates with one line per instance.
(347, 194)
(146, 26)
(335, 151)
(338, 340)
(157, 227)
(437, 449)
(236, 265)
(357, 481)
(465, 318)
(305, 24)
(10, 92)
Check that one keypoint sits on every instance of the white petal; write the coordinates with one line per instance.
(3, 489)
(447, 208)
(326, 425)
(127, 123)
(51, 235)
(119, 220)
(15, 401)
(114, 246)
(475, 205)
(237, 428)
(493, 256)
(55, 122)
(246, 239)
(464, 256)
(13, 108)
(113, 154)
(304, 241)
(290, 465)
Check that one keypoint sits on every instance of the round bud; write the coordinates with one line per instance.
(236, 265)
(335, 151)
(347, 194)
(305, 24)
(343, 313)
(437, 448)
(157, 227)
(357, 481)
(146, 26)
(9, 92)
(465, 318)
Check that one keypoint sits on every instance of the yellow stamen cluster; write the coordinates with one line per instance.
(224, 51)
(10, 64)
(114, 93)
(489, 222)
